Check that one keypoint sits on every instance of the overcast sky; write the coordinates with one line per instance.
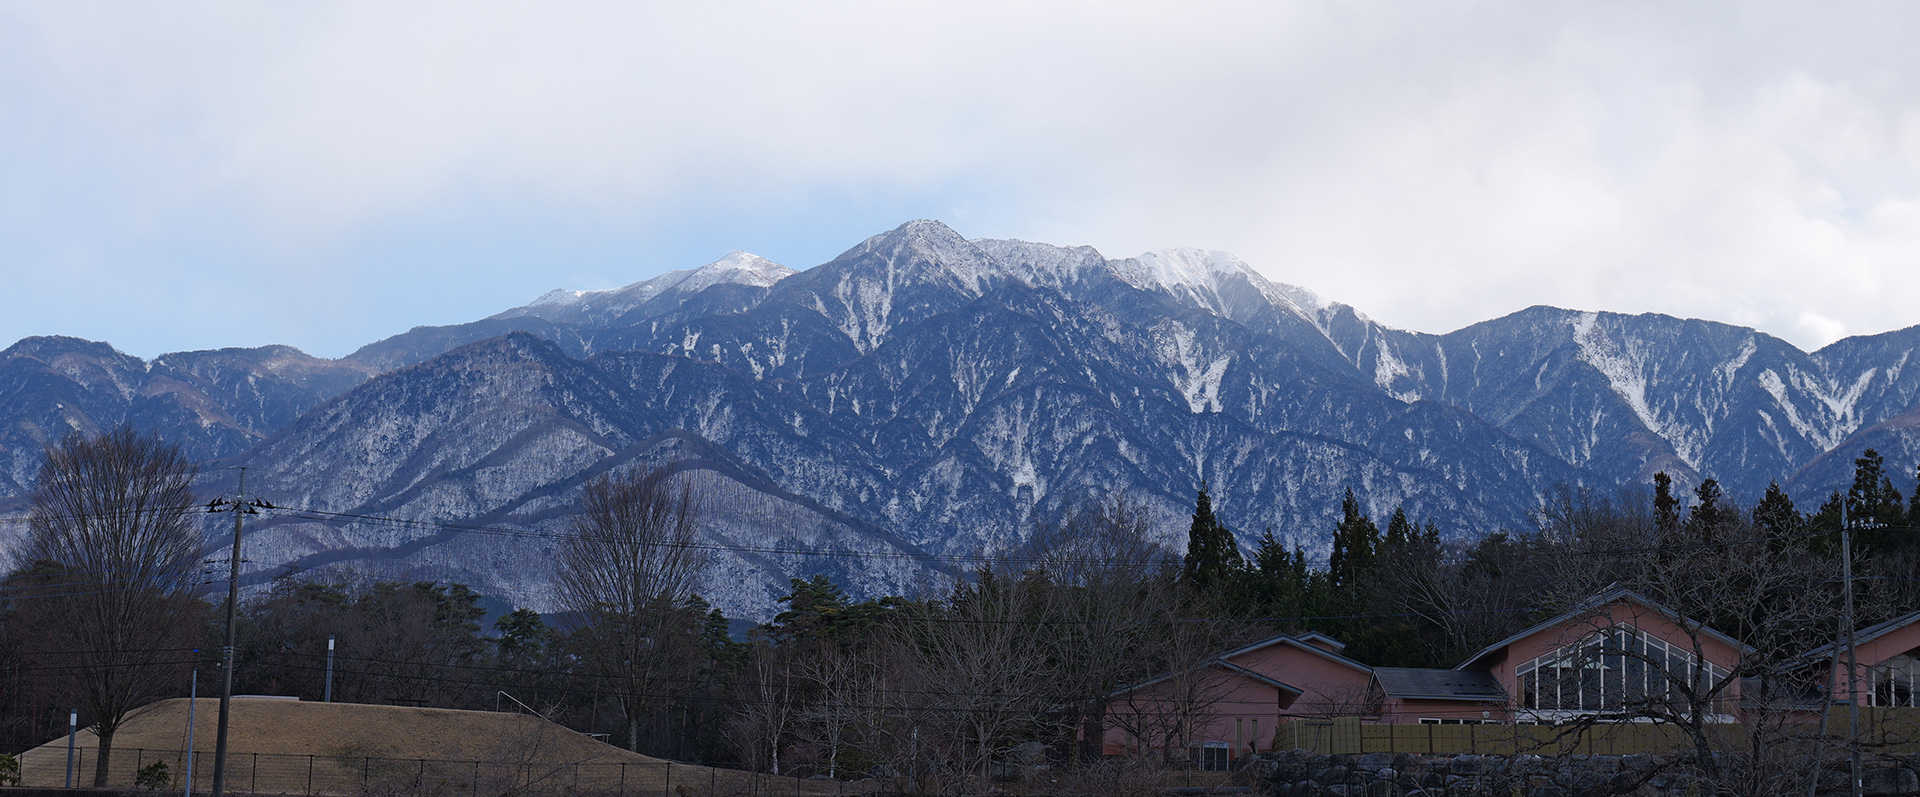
(180, 176)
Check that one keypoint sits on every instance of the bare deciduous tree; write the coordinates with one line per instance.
(629, 569)
(111, 519)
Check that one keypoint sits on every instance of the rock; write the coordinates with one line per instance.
(1885, 781)
(1468, 765)
(1330, 775)
(1475, 786)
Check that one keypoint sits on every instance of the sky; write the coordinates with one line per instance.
(187, 175)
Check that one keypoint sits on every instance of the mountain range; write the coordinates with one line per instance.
(923, 398)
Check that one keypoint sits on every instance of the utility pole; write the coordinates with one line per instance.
(1853, 661)
(329, 695)
(193, 699)
(240, 506)
(73, 730)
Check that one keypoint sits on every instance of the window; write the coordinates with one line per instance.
(1896, 681)
(1618, 669)
(1211, 756)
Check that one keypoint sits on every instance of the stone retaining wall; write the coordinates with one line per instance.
(1303, 774)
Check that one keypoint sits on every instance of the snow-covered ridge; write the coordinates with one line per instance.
(737, 268)
(1187, 273)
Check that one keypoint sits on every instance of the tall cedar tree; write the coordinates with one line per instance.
(1355, 541)
(1711, 512)
(1666, 508)
(1212, 554)
(1775, 515)
(1873, 505)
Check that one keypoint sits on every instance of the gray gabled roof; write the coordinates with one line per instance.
(1421, 683)
(1590, 604)
(1868, 634)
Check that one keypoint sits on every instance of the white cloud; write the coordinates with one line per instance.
(1432, 164)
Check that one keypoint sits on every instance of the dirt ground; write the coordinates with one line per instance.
(294, 747)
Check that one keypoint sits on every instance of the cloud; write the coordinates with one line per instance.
(373, 166)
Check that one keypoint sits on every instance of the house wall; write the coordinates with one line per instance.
(1622, 612)
(1873, 654)
(1328, 688)
(1404, 711)
(1239, 705)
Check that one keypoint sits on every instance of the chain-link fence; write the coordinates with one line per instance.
(282, 774)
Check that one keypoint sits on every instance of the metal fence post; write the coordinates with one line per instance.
(253, 783)
(366, 770)
(476, 779)
(309, 776)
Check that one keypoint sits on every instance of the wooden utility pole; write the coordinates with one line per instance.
(1853, 660)
(240, 506)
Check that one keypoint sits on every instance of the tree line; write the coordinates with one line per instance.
(1009, 661)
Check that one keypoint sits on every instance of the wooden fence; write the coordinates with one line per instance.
(1882, 730)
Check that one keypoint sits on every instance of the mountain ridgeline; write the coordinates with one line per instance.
(923, 398)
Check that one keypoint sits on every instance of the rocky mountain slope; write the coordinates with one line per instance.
(924, 398)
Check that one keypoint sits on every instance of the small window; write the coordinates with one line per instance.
(1212, 756)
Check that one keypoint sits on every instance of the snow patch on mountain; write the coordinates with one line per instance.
(1627, 378)
(1777, 388)
(1199, 374)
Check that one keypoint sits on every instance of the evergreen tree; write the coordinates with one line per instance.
(1872, 498)
(1355, 542)
(1212, 554)
(1775, 514)
(1279, 581)
(1826, 525)
(1666, 508)
(1711, 511)
(1400, 533)
(1874, 506)
(1913, 507)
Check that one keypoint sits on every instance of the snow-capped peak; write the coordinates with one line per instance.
(740, 268)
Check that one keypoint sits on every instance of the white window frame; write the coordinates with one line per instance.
(1900, 677)
(1601, 668)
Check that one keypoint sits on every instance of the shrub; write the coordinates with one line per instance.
(154, 776)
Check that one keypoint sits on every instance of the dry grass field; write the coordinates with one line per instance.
(291, 747)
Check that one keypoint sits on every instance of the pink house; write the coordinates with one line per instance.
(1230, 706)
(1888, 655)
(1619, 653)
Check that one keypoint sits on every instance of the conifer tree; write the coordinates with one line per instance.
(1913, 507)
(1872, 498)
(1775, 513)
(1400, 531)
(1355, 542)
(1212, 554)
(1710, 513)
(1666, 508)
